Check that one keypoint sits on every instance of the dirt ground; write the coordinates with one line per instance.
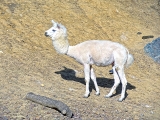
(29, 63)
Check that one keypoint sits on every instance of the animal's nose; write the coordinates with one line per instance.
(46, 34)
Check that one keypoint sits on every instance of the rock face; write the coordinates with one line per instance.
(153, 50)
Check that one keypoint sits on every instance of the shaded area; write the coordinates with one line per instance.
(70, 74)
(153, 50)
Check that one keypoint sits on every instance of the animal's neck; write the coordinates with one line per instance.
(61, 45)
(73, 52)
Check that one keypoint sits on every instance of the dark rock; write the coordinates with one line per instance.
(138, 33)
(147, 37)
(153, 50)
(48, 102)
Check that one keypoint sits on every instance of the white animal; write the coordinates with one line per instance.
(93, 52)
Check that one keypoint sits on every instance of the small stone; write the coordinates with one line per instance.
(38, 117)
(147, 106)
(138, 33)
(152, 112)
(42, 85)
(136, 118)
(71, 89)
(123, 37)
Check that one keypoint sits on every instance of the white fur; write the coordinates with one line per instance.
(93, 52)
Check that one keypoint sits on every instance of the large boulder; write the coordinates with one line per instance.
(153, 50)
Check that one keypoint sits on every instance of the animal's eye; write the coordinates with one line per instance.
(53, 30)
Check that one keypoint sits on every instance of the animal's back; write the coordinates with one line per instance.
(102, 44)
(99, 52)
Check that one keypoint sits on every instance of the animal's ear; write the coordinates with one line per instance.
(58, 26)
(53, 22)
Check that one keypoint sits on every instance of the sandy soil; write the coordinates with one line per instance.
(29, 63)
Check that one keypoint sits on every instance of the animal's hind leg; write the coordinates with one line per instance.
(124, 83)
(116, 83)
(87, 79)
(93, 77)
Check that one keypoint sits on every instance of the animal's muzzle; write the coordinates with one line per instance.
(46, 34)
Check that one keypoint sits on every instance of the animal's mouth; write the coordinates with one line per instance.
(46, 34)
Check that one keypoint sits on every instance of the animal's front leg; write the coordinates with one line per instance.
(93, 77)
(87, 79)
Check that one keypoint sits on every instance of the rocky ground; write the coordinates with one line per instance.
(29, 63)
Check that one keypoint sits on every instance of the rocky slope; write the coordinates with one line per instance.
(29, 63)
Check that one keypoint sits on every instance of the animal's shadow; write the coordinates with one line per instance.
(70, 75)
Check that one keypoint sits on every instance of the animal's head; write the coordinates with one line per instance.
(56, 31)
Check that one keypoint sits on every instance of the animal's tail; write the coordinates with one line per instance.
(130, 60)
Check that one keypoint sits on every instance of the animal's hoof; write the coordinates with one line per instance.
(107, 96)
(97, 94)
(120, 100)
(85, 96)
